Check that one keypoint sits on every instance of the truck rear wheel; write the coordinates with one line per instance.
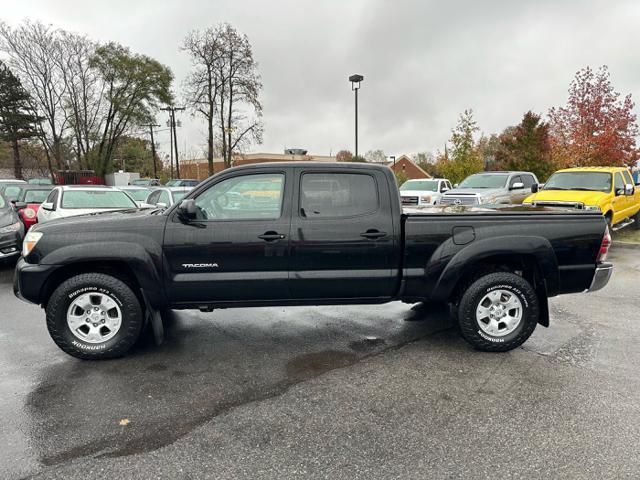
(498, 312)
(94, 316)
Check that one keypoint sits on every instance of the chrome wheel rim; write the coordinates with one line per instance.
(94, 317)
(499, 313)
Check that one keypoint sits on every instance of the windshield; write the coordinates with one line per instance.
(140, 194)
(35, 196)
(483, 180)
(427, 185)
(177, 196)
(12, 192)
(589, 181)
(142, 181)
(96, 199)
(172, 183)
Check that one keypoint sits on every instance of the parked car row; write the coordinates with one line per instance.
(610, 190)
(29, 203)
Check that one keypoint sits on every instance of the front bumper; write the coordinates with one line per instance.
(30, 279)
(11, 244)
(601, 277)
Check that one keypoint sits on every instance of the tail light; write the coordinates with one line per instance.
(604, 246)
(29, 213)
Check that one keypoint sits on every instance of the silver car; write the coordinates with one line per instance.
(491, 188)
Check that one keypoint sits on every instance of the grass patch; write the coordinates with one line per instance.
(628, 234)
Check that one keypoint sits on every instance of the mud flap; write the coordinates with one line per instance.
(543, 301)
(153, 316)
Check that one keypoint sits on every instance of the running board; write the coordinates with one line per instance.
(621, 225)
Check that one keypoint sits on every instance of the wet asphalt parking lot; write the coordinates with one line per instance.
(384, 391)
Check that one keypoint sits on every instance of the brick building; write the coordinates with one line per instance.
(410, 168)
(199, 168)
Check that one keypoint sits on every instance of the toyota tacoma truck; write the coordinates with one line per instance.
(305, 234)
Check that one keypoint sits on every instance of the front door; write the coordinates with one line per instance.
(237, 248)
(343, 243)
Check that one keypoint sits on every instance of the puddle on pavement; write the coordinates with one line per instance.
(314, 364)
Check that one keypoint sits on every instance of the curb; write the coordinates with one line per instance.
(626, 245)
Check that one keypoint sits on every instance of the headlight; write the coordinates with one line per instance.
(14, 227)
(490, 199)
(527, 204)
(30, 241)
(425, 199)
(592, 208)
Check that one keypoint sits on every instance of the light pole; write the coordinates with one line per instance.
(355, 80)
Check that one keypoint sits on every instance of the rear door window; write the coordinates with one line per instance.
(334, 195)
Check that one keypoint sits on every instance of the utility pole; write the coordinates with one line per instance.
(172, 124)
(153, 148)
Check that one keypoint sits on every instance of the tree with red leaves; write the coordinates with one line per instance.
(597, 127)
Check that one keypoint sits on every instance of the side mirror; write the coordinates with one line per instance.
(161, 205)
(534, 188)
(20, 205)
(628, 189)
(455, 185)
(444, 189)
(517, 186)
(187, 209)
(48, 206)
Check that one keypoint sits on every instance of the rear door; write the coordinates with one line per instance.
(237, 249)
(342, 239)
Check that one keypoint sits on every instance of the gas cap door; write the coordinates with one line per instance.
(463, 235)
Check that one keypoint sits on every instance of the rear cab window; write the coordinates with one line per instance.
(337, 195)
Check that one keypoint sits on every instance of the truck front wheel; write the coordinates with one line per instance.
(498, 312)
(94, 316)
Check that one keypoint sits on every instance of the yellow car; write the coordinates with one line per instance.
(610, 190)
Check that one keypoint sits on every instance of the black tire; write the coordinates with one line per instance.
(609, 219)
(636, 223)
(476, 291)
(131, 310)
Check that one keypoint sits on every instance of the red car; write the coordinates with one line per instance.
(28, 202)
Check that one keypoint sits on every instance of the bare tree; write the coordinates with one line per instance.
(33, 50)
(84, 93)
(202, 84)
(239, 107)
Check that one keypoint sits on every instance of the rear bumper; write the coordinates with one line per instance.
(601, 277)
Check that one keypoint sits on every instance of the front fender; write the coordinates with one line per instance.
(538, 247)
(143, 260)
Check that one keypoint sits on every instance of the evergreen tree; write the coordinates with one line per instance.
(17, 121)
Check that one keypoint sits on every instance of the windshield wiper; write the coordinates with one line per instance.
(555, 188)
(584, 189)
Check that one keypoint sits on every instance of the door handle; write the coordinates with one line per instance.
(271, 236)
(373, 234)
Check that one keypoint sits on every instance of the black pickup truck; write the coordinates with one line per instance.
(305, 234)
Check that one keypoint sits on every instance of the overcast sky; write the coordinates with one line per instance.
(423, 61)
